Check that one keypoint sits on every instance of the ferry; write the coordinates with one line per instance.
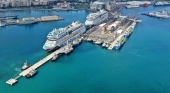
(60, 37)
(129, 31)
(119, 43)
(96, 18)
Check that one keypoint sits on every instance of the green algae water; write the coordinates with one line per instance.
(141, 66)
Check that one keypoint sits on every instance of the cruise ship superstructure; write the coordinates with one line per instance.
(96, 18)
(60, 37)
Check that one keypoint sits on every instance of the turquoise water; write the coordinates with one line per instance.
(141, 66)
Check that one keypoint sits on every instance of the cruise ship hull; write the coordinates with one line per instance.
(64, 40)
(97, 23)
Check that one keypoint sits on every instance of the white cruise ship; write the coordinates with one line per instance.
(96, 18)
(60, 37)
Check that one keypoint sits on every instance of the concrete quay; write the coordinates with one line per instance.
(34, 20)
(111, 32)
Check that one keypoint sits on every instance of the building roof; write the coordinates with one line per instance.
(97, 2)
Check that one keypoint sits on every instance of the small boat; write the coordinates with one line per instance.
(104, 44)
(31, 73)
(107, 45)
(54, 57)
(98, 42)
(76, 42)
(88, 39)
(25, 66)
(68, 49)
(2, 24)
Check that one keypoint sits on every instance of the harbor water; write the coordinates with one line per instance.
(141, 66)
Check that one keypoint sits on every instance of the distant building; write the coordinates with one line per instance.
(43, 3)
(16, 3)
(64, 4)
(109, 7)
(97, 5)
(4, 4)
(84, 1)
(35, 3)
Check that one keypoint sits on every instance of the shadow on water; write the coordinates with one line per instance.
(29, 25)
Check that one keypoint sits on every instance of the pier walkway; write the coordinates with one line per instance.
(41, 62)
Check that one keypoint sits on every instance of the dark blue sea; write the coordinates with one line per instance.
(141, 66)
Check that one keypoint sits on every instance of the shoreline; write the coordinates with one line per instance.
(4, 10)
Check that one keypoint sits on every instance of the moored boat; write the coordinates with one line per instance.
(98, 42)
(67, 49)
(144, 5)
(31, 73)
(129, 31)
(25, 66)
(104, 44)
(89, 39)
(107, 45)
(119, 43)
(76, 42)
(2, 24)
(54, 57)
